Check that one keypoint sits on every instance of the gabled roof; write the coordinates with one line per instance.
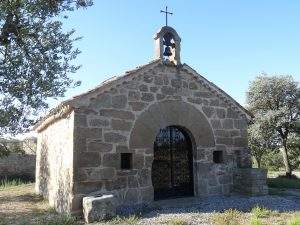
(67, 106)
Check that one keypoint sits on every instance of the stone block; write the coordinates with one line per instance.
(167, 90)
(137, 106)
(227, 124)
(176, 83)
(89, 159)
(97, 122)
(119, 101)
(87, 187)
(240, 142)
(240, 124)
(138, 161)
(144, 177)
(193, 86)
(214, 102)
(160, 97)
(216, 124)
(234, 133)
(232, 113)
(101, 101)
(132, 182)
(99, 146)
(195, 100)
(208, 111)
(131, 196)
(97, 174)
(122, 149)
(134, 96)
(113, 137)
(250, 181)
(143, 87)
(222, 133)
(97, 208)
(216, 190)
(80, 120)
(221, 113)
(154, 89)
(203, 94)
(148, 78)
(116, 184)
(147, 97)
(111, 160)
(121, 125)
(147, 194)
(225, 179)
(91, 133)
(119, 114)
(158, 80)
(166, 80)
(224, 141)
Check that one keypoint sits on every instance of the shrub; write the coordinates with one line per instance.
(255, 221)
(260, 212)
(228, 217)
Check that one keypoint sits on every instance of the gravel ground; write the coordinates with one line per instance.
(201, 212)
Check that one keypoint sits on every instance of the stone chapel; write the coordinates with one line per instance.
(159, 131)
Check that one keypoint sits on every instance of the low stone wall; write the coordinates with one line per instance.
(18, 165)
(250, 181)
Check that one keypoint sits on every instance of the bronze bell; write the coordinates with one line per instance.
(167, 51)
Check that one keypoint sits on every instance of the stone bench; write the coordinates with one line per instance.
(101, 207)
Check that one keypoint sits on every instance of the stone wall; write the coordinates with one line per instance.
(54, 173)
(250, 181)
(18, 165)
(106, 118)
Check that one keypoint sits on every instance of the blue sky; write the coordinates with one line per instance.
(228, 42)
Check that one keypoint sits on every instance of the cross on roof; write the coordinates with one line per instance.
(166, 12)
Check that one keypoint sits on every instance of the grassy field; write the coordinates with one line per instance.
(20, 206)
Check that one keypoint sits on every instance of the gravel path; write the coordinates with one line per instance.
(200, 210)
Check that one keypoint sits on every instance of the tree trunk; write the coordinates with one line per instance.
(258, 161)
(288, 170)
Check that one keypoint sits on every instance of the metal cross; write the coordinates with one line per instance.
(166, 12)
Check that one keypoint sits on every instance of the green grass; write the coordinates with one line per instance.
(283, 182)
(255, 221)
(177, 221)
(131, 220)
(228, 217)
(60, 220)
(295, 220)
(6, 182)
(261, 212)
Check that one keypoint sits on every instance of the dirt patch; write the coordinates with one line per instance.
(20, 205)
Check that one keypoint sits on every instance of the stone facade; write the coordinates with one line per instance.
(82, 140)
(54, 163)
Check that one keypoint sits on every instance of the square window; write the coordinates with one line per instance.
(126, 161)
(218, 156)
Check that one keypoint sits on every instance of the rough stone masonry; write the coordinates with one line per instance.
(102, 141)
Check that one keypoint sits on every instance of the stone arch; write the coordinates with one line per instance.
(170, 113)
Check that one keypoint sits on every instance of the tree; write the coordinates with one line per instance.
(274, 100)
(260, 141)
(36, 57)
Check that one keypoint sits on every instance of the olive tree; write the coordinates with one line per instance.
(36, 58)
(274, 100)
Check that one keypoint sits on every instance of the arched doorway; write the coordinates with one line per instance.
(172, 168)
